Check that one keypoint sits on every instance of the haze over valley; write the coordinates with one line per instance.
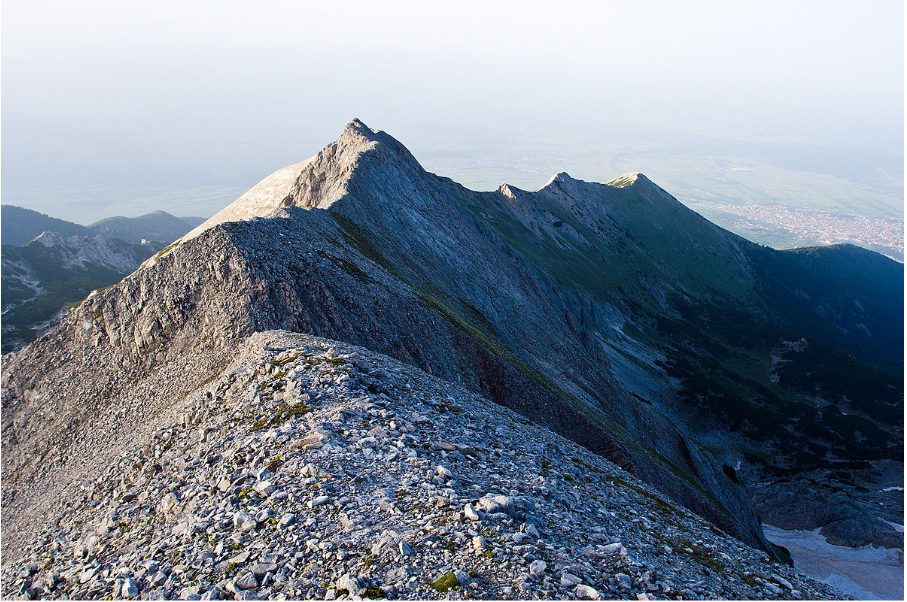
(812, 200)
(456, 301)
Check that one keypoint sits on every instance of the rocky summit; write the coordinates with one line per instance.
(312, 469)
(164, 437)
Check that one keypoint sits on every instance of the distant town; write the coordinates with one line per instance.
(783, 226)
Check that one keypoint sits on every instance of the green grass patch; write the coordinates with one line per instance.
(662, 505)
(445, 583)
(701, 554)
(166, 250)
(283, 412)
(275, 463)
(286, 360)
(356, 237)
(449, 407)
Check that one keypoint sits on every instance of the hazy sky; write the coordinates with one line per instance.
(101, 99)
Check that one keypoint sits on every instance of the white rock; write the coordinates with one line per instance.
(570, 580)
(586, 592)
(247, 581)
(773, 589)
(321, 500)
(169, 503)
(243, 521)
(623, 580)
(264, 487)
(350, 584)
(537, 567)
(496, 503)
(783, 581)
(470, 512)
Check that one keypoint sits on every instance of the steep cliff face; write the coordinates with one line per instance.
(572, 305)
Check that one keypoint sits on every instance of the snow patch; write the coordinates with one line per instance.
(895, 526)
(865, 573)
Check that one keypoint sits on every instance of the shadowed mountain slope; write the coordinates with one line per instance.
(20, 225)
(609, 313)
(158, 226)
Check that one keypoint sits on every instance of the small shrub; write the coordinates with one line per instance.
(283, 412)
(445, 583)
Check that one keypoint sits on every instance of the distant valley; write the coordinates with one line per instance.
(50, 264)
(786, 227)
(777, 194)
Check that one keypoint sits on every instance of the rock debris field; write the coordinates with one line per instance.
(314, 469)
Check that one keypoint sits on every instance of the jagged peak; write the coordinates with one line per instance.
(318, 181)
(357, 125)
(628, 179)
(373, 154)
(559, 181)
(357, 135)
(559, 178)
(509, 192)
(358, 138)
(49, 238)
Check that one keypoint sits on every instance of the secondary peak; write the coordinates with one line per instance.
(629, 179)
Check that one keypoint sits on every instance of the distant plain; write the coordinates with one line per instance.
(779, 194)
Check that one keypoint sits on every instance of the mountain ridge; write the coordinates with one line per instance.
(23, 225)
(571, 308)
(308, 441)
(155, 226)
